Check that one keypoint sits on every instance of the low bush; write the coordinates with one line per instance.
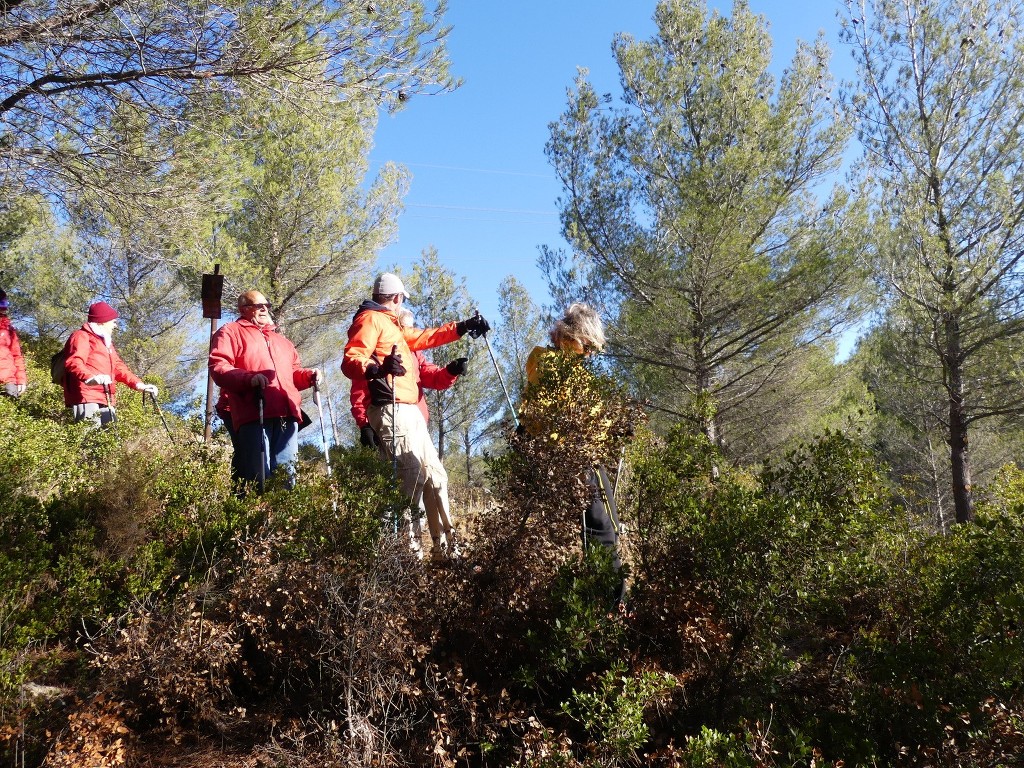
(785, 617)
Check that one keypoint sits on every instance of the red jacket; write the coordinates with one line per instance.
(242, 349)
(373, 333)
(431, 377)
(88, 355)
(12, 363)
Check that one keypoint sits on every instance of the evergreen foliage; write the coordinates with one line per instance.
(937, 103)
(695, 210)
(783, 616)
(791, 611)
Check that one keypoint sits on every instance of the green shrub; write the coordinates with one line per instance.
(582, 631)
(710, 748)
(614, 713)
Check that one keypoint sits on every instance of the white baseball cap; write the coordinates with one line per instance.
(387, 283)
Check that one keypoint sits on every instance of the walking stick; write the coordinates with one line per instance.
(394, 437)
(323, 431)
(497, 370)
(159, 411)
(322, 380)
(263, 441)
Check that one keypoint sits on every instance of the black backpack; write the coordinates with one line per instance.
(58, 373)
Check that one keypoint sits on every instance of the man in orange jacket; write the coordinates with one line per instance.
(431, 377)
(12, 363)
(377, 346)
(249, 358)
(93, 368)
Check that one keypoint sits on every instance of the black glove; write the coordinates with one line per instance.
(368, 437)
(475, 326)
(391, 366)
(457, 367)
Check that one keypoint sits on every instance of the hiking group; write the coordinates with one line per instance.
(260, 378)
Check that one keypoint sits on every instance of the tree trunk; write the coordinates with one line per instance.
(705, 412)
(959, 455)
(937, 480)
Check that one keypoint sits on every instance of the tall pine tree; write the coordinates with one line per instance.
(941, 104)
(697, 217)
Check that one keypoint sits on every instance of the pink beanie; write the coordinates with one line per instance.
(101, 312)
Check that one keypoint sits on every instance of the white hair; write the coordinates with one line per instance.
(580, 327)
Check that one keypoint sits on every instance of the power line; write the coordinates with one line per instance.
(484, 210)
(479, 170)
(477, 219)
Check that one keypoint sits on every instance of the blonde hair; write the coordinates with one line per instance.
(405, 318)
(580, 328)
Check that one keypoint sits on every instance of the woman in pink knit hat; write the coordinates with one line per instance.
(93, 368)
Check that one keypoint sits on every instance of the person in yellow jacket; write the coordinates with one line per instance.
(558, 383)
(381, 350)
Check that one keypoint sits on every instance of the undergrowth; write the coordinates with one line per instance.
(789, 616)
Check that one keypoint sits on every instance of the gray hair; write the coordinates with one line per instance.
(580, 326)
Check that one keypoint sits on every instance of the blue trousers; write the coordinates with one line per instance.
(280, 443)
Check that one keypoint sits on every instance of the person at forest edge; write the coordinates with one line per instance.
(578, 333)
(250, 359)
(12, 362)
(93, 367)
(376, 348)
(430, 377)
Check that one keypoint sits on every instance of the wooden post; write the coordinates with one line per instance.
(213, 289)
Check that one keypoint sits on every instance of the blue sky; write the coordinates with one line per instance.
(482, 190)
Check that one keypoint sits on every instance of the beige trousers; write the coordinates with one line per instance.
(420, 471)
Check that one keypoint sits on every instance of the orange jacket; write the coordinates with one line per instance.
(374, 332)
(12, 363)
(88, 355)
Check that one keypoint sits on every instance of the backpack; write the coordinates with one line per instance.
(58, 373)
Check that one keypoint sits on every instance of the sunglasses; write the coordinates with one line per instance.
(258, 306)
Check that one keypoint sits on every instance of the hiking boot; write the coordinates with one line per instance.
(452, 547)
(416, 548)
(437, 553)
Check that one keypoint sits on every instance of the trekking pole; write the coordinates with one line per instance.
(159, 411)
(618, 474)
(322, 379)
(263, 441)
(394, 436)
(497, 370)
(323, 431)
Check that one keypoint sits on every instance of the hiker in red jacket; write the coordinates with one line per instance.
(250, 358)
(430, 377)
(12, 363)
(93, 368)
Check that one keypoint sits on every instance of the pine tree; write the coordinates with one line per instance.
(66, 68)
(940, 101)
(697, 214)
